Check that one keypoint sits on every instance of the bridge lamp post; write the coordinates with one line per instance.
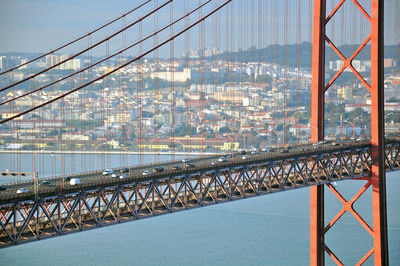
(62, 168)
(202, 138)
(230, 138)
(35, 176)
(277, 136)
(95, 154)
(353, 124)
(127, 152)
(151, 149)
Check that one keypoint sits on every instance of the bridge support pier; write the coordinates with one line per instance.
(378, 179)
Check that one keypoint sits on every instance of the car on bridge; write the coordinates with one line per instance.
(147, 172)
(22, 190)
(285, 150)
(75, 181)
(316, 145)
(108, 172)
(123, 175)
(159, 169)
(3, 187)
(222, 159)
(176, 167)
(190, 165)
(44, 183)
(364, 138)
(123, 172)
(337, 142)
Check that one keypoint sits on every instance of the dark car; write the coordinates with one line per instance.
(337, 142)
(125, 170)
(242, 152)
(44, 183)
(190, 165)
(285, 150)
(176, 167)
(159, 169)
(67, 178)
(3, 187)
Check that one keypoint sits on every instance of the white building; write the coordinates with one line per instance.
(2, 62)
(53, 59)
(23, 61)
(176, 76)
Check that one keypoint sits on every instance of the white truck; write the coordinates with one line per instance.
(75, 181)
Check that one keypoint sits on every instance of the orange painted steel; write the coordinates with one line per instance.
(378, 179)
(378, 136)
(317, 131)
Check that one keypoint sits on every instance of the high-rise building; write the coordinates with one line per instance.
(52, 59)
(70, 64)
(23, 61)
(2, 62)
(74, 64)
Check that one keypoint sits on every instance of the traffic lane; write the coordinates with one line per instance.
(204, 162)
(88, 177)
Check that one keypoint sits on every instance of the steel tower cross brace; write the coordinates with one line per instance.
(377, 179)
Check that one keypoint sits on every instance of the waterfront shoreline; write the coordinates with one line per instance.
(106, 152)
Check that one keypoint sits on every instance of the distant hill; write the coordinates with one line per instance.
(272, 53)
(276, 53)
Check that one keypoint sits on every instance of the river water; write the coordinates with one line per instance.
(266, 230)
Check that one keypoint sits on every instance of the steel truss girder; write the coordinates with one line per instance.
(51, 216)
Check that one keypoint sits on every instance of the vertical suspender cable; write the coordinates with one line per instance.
(187, 87)
(172, 89)
(354, 78)
(156, 89)
(331, 104)
(108, 104)
(396, 44)
(89, 77)
(285, 91)
(298, 78)
(259, 39)
(140, 90)
(201, 67)
(310, 39)
(342, 23)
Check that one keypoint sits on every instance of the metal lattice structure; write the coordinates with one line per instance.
(376, 89)
(119, 201)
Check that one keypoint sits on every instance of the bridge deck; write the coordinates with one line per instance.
(103, 200)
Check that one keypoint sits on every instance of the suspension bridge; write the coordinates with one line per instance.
(145, 82)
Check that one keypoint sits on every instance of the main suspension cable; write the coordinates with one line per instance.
(77, 39)
(107, 57)
(86, 49)
(117, 68)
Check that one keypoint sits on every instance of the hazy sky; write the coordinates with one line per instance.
(38, 25)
